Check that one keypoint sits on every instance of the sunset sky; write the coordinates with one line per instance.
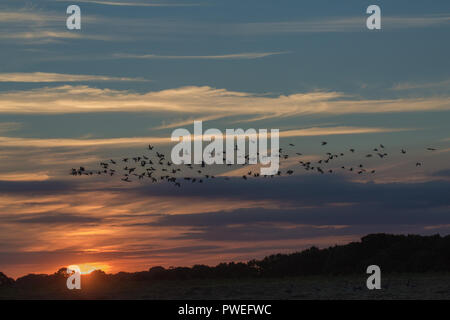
(138, 69)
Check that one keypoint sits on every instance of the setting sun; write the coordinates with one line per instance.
(87, 268)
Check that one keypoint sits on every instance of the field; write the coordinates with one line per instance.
(394, 286)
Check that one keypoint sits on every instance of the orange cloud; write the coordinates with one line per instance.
(203, 101)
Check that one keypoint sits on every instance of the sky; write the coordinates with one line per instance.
(137, 70)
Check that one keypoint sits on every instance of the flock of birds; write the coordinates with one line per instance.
(155, 166)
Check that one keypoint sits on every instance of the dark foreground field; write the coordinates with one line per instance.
(394, 286)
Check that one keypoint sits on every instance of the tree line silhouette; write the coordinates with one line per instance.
(393, 253)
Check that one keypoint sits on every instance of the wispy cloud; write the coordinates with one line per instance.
(49, 36)
(136, 141)
(316, 131)
(421, 85)
(22, 176)
(137, 4)
(9, 126)
(39, 26)
(35, 17)
(340, 24)
(186, 122)
(58, 77)
(247, 55)
(40, 34)
(73, 143)
(203, 101)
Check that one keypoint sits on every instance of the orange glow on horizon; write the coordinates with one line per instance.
(87, 268)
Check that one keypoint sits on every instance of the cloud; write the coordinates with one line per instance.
(56, 143)
(21, 176)
(442, 173)
(247, 55)
(36, 26)
(48, 36)
(314, 191)
(35, 187)
(262, 233)
(317, 131)
(204, 100)
(333, 24)
(203, 223)
(35, 17)
(137, 4)
(51, 219)
(311, 206)
(41, 34)
(43, 27)
(136, 141)
(9, 126)
(423, 85)
(186, 122)
(58, 77)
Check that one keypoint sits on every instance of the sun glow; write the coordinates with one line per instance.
(87, 268)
